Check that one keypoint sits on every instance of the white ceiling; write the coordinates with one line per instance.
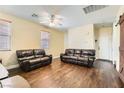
(73, 14)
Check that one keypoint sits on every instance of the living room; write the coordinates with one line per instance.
(47, 46)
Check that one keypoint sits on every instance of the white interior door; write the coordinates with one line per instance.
(105, 44)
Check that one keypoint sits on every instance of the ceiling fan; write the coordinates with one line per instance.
(52, 20)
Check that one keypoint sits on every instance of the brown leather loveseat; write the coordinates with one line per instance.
(32, 58)
(79, 56)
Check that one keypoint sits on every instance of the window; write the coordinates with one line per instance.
(5, 35)
(44, 40)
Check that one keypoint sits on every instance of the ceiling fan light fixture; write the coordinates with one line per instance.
(52, 20)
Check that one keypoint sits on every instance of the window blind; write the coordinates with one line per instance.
(44, 40)
(5, 35)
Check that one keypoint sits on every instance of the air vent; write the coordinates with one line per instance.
(93, 8)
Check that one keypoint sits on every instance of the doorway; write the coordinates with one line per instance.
(103, 42)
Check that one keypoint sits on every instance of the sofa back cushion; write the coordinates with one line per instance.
(88, 52)
(24, 54)
(77, 52)
(39, 52)
(69, 52)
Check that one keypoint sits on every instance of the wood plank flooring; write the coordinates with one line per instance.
(63, 75)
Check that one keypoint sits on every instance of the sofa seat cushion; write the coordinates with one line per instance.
(23, 58)
(26, 58)
(83, 58)
(66, 56)
(35, 60)
(77, 55)
(70, 54)
(69, 57)
(39, 56)
(44, 58)
(30, 57)
(74, 57)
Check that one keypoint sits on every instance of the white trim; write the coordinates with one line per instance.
(12, 66)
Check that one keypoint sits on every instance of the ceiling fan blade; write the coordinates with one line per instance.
(58, 16)
(44, 18)
(44, 21)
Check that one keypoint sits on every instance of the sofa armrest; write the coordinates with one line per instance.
(25, 65)
(50, 56)
(91, 58)
(62, 54)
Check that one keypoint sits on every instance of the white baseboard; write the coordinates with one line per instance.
(12, 66)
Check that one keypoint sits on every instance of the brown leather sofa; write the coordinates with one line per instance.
(79, 56)
(32, 58)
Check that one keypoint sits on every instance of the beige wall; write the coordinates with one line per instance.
(26, 35)
(81, 37)
(66, 40)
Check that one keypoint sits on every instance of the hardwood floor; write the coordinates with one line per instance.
(63, 75)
